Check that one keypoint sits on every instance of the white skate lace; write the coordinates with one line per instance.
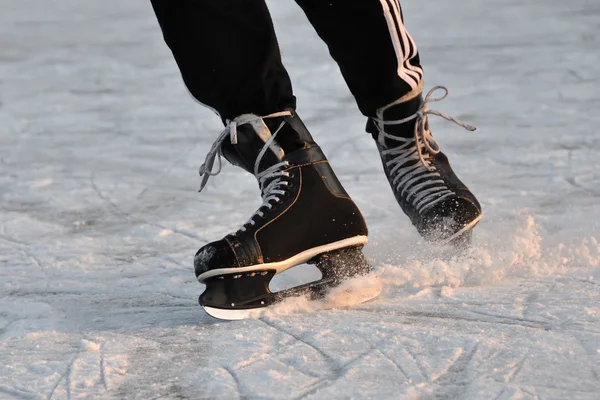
(412, 163)
(270, 192)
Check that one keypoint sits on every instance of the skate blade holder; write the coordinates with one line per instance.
(237, 296)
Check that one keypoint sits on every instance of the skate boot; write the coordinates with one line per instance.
(438, 204)
(306, 217)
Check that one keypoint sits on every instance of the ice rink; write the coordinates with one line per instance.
(100, 216)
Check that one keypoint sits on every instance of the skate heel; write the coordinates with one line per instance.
(337, 287)
(342, 264)
(337, 266)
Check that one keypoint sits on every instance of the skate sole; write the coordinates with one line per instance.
(235, 315)
(281, 266)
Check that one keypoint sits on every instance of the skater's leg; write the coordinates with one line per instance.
(227, 53)
(380, 63)
(367, 38)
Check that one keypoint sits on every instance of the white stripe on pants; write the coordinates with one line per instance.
(404, 45)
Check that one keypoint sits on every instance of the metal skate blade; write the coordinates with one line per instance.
(234, 315)
(247, 295)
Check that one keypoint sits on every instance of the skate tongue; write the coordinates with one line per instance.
(398, 119)
(246, 142)
(251, 126)
(257, 127)
(277, 132)
(248, 137)
(397, 111)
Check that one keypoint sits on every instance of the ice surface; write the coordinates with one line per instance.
(100, 219)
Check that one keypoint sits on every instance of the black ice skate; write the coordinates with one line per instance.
(438, 204)
(306, 217)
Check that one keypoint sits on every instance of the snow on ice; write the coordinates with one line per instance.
(100, 219)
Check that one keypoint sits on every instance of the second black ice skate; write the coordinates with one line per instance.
(438, 204)
(306, 217)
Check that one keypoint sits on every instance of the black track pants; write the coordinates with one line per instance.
(229, 57)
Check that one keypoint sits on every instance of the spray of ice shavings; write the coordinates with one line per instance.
(350, 293)
(518, 254)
